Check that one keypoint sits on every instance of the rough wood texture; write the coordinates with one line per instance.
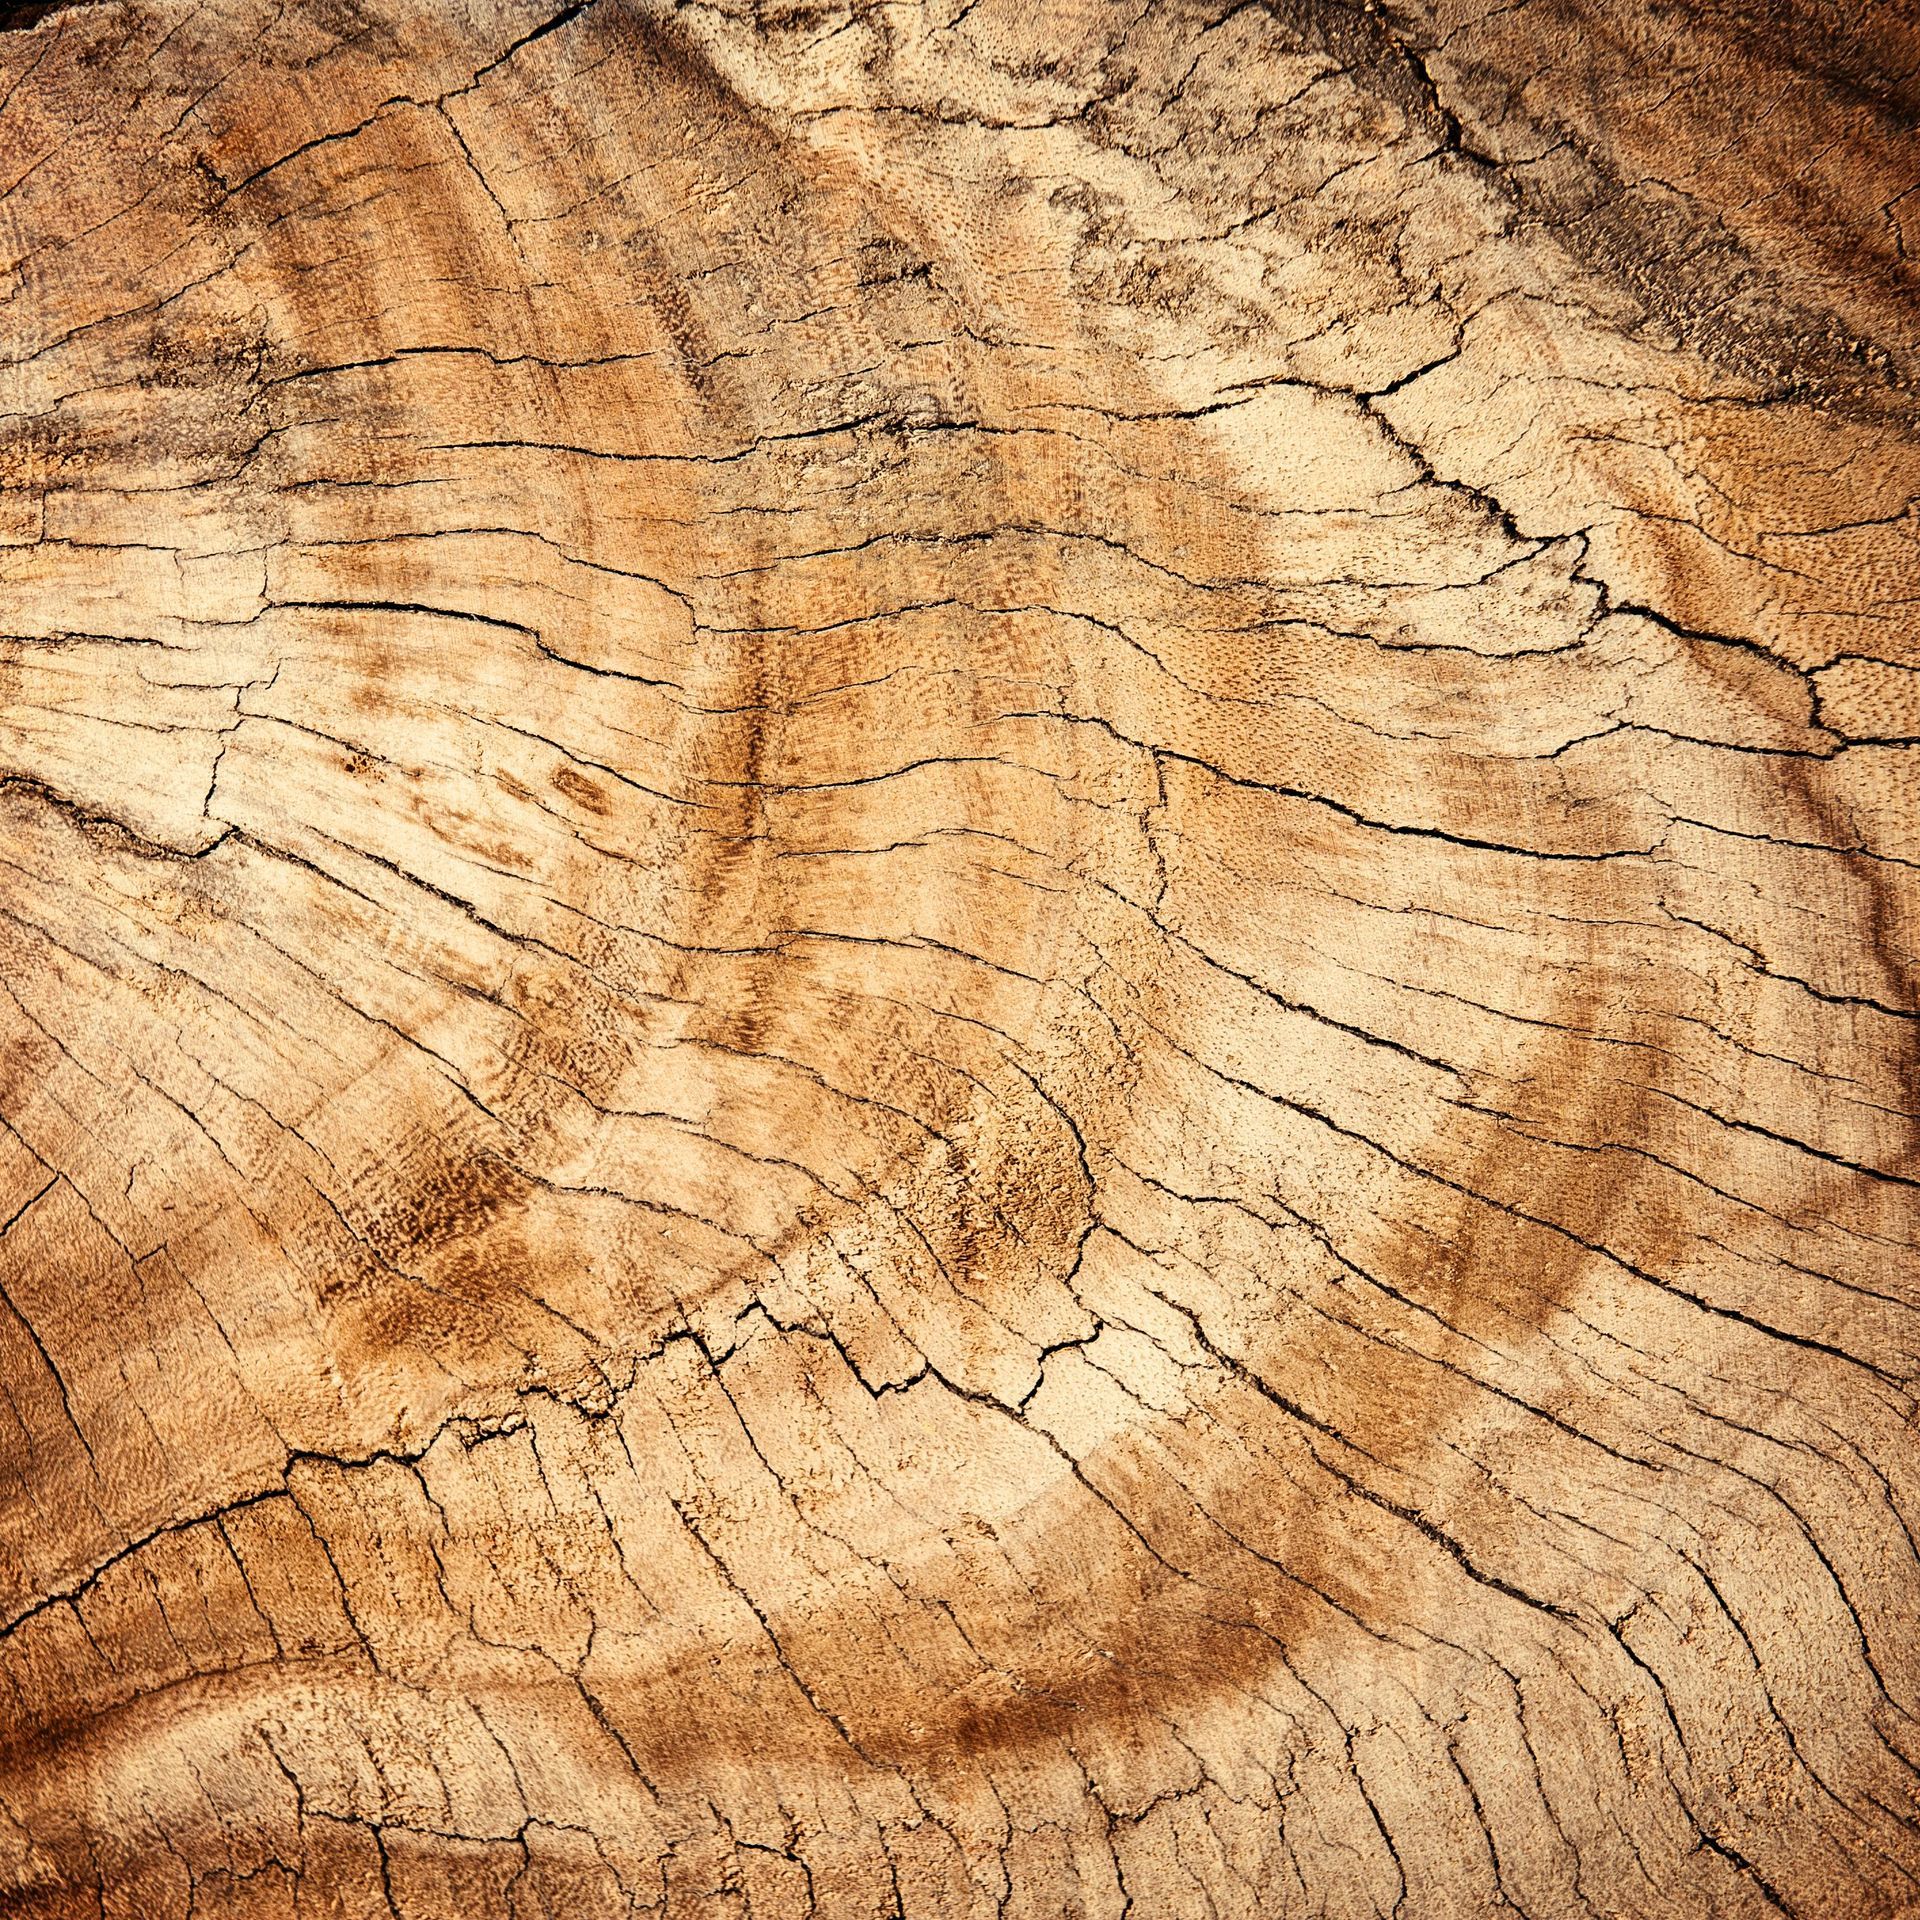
(958, 960)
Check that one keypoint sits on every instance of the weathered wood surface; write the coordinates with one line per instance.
(958, 960)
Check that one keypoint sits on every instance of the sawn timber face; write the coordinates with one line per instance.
(953, 965)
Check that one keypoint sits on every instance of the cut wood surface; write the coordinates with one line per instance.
(959, 959)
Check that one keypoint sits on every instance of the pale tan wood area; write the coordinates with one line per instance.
(958, 960)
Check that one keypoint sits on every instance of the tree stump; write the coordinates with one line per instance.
(958, 959)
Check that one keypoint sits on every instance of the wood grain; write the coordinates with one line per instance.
(957, 959)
